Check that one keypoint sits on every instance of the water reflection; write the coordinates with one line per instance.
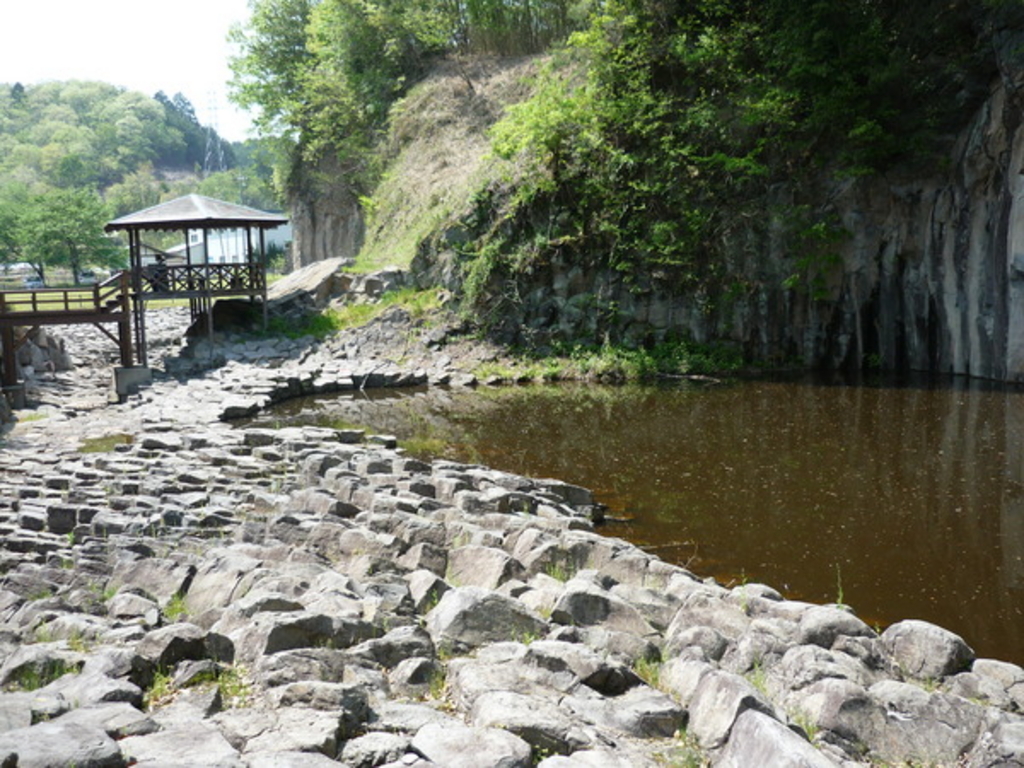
(905, 501)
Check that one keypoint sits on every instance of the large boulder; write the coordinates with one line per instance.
(822, 624)
(718, 701)
(469, 617)
(924, 651)
(911, 724)
(308, 288)
(192, 744)
(397, 645)
(641, 712)
(165, 647)
(486, 567)
(58, 743)
(542, 722)
(270, 633)
(760, 740)
(1002, 746)
(583, 603)
(372, 749)
(460, 746)
(162, 579)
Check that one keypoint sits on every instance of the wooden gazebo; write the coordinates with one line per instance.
(158, 274)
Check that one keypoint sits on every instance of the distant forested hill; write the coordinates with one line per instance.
(132, 149)
(77, 132)
(75, 154)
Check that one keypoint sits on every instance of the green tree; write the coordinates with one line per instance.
(269, 72)
(324, 75)
(239, 187)
(14, 202)
(138, 190)
(662, 138)
(64, 227)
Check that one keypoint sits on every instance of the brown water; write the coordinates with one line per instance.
(904, 502)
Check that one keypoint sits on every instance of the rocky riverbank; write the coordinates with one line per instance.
(177, 591)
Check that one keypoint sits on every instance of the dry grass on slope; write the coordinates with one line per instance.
(437, 151)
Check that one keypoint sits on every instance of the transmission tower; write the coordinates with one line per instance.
(213, 159)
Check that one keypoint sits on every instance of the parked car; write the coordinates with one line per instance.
(32, 283)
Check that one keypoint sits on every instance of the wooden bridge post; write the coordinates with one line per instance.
(10, 372)
(8, 362)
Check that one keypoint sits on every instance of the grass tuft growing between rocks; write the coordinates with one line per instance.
(319, 326)
(433, 598)
(438, 684)
(43, 634)
(758, 677)
(649, 670)
(78, 643)
(683, 753)
(232, 682)
(560, 570)
(103, 594)
(176, 608)
(235, 690)
(160, 691)
(802, 720)
(32, 677)
(527, 637)
(104, 444)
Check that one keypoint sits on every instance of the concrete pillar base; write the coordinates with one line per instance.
(128, 380)
(15, 394)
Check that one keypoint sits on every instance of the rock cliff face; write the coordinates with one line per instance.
(929, 277)
(933, 271)
(327, 220)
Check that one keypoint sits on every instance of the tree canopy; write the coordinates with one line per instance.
(323, 74)
(660, 127)
(59, 227)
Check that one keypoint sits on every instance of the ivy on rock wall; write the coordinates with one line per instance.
(659, 139)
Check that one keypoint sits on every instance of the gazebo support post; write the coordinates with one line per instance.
(14, 392)
(207, 296)
(124, 326)
(10, 377)
(138, 303)
(263, 275)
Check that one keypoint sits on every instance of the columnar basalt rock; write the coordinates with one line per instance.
(288, 627)
(208, 594)
(927, 275)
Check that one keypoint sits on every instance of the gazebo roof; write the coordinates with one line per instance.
(196, 212)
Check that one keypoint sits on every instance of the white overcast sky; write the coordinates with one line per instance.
(174, 46)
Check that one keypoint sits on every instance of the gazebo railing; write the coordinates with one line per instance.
(203, 278)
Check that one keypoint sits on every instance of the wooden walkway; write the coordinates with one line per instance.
(98, 305)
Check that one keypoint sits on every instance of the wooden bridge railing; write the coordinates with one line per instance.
(107, 302)
(24, 307)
